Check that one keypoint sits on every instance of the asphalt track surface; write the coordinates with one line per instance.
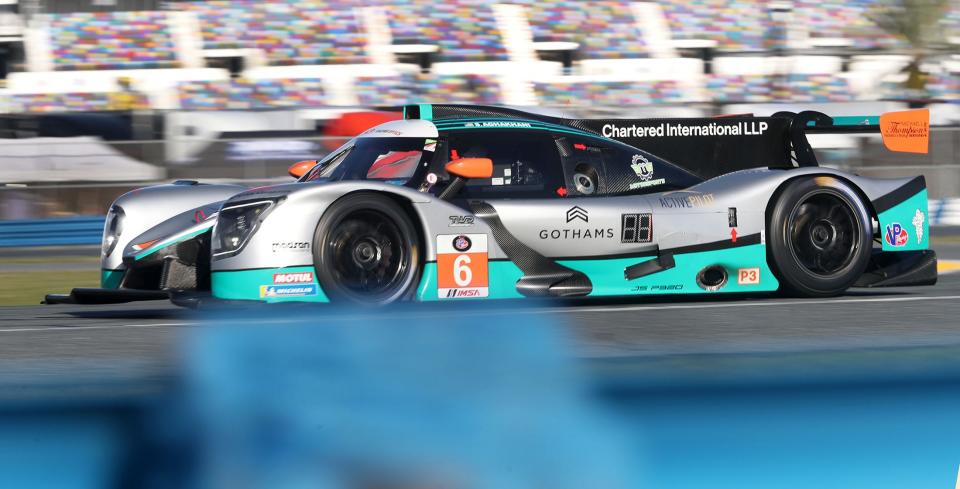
(136, 344)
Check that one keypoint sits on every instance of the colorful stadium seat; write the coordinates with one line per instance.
(610, 93)
(793, 88)
(604, 29)
(848, 19)
(75, 102)
(289, 33)
(465, 30)
(111, 40)
(734, 24)
(427, 88)
(251, 94)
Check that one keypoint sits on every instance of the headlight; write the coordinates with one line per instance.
(112, 228)
(235, 225)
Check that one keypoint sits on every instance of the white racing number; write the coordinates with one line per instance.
(462, 266)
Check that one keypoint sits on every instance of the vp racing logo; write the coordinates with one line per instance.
(896, 235)
(576, 212)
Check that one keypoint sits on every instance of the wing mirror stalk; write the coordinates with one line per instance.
(464, 169)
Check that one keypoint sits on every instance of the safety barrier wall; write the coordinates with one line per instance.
(80, 230)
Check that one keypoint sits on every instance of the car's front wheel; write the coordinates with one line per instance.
(820, 237)
(366, 250)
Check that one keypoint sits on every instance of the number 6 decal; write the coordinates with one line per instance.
(462, 266)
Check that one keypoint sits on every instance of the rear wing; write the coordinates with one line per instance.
(712, 146)
(715, 146)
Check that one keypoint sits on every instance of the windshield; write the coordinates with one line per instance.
(394, 160)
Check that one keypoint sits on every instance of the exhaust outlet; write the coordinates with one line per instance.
(712, 278)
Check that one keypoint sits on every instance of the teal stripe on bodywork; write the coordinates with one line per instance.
(460, 124)
(906, 215)
(426, 112)
(855, 120)
(503, 276)
(607, 278)
(110, 279)
(176, 239)
(246, 285)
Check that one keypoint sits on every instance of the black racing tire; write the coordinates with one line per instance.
(366, 250)
(819, 236)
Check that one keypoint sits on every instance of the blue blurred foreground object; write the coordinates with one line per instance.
(473, 401)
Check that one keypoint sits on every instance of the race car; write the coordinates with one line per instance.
(470, 202)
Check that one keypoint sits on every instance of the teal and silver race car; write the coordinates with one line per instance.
(470, 203)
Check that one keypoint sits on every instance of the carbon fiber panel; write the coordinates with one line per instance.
(542, 277)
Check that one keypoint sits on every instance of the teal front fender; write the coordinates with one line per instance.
(288, 284)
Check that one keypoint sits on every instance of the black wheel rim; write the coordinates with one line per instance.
(824, 234)
(369, 255)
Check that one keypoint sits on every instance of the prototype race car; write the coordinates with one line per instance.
(466, 202)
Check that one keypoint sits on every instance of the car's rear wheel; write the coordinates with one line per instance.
(366, 250)
(820, 237)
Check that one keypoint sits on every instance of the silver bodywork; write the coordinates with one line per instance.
(695, 216)
(698, 215)
(148, 208)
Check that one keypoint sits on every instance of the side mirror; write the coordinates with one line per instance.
(471, 168)
(464, 169)
(301, 168)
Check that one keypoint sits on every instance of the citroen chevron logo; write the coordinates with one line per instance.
(577, 213)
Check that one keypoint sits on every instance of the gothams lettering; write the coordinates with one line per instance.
(587, 233)
(686, 201)
(666, 129)
(460, 221)
(290, 246)
(577, 213)
(636, 228)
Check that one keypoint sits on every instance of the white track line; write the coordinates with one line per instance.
(520, 310)
(798, 302)
(80, 328)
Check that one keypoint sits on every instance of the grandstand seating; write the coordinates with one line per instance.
(427, 88)
(604, 29)
(289, 33)
(849, 19)
(73, 102)
(734, 24)
(306, 43)
(465, 30)
(951, 22)
(944, 86)
(610, 93)
(115, 40)
(793, 87)
(251, 94)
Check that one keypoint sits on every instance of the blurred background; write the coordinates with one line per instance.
(102, 96)
(98, 97)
